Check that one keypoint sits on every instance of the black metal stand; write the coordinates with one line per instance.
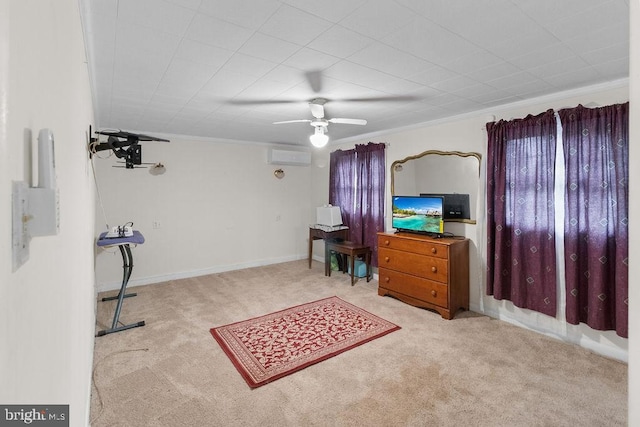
(127, 265)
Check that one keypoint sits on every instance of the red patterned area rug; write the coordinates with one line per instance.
(269, 347)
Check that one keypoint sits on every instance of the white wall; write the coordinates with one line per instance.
(468, 134)
(219, 206)
(47, 306)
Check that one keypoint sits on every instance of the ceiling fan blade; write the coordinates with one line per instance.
(389, 98)
(317, 110)
(360, 122)
(262, 101)
(314, 78)
(293, 121)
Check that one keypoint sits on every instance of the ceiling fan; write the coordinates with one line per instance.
(320, 123)
(314, 79)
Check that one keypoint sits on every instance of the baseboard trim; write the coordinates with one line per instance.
(577, 338)
(150, 280)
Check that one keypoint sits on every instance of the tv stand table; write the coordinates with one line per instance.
(127, 264)
(322, 232)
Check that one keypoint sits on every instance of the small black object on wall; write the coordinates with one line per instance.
(456, 206)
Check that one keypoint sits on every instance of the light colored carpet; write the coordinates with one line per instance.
(472, 370)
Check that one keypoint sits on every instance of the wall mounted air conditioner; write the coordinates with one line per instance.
(277, 156)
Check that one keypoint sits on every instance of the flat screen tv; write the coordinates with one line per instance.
(417, 214)
(456, 205)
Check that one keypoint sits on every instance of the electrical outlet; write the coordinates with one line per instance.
(155, 224)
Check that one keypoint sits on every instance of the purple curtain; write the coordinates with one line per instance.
(596, 215)
(356, 184)
(369, 209)
(521, 261)
(342, 165)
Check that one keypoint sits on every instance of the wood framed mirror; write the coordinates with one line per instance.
(439, 172)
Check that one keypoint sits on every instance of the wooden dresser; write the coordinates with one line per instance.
(424, 271)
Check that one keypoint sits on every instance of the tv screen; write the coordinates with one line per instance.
(418, 214)
(456, 205)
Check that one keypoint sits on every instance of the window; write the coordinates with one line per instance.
(522, 214)
(356, 184)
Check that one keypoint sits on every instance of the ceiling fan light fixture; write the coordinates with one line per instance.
(319, 139)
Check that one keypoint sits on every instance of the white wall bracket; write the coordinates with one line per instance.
(35, 210)
(20, 236)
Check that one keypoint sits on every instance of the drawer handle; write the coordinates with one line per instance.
(434, 269)
(434, 250)
(386, 279)
(386, 243)
(386, 259)
(434, 293)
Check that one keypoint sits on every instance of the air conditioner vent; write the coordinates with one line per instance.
(278, 156)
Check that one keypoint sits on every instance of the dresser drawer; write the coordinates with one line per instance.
(424, 271)
(416, 287)
(424, 266)
(418, 246)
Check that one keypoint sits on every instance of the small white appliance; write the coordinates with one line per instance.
(328, 215)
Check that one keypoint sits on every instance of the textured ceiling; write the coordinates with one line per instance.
(228, 69)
